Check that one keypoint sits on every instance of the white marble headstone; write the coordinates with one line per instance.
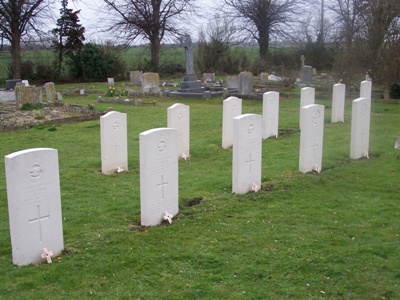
(232, 107)
(360, 124)
(158, 174)
(34, 204)
(111, 82)
(270, 114)
(307, 97)
(338, 103)
(311, 138)
(178, 117)
(247, 153)
(366, 89)
(114, 144)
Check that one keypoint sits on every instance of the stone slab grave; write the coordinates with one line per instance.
(27, 94)
(338, 103)
(232, 82)
(247, 153)
(114, 144)
(151, 83)
(232, 107)
(110, 82)
(136, 78)
(307, 97)
(158, 175)
(178, 117)
(245, 83)
(311, 138)
(51, 94)
(360, 125)
(270, 114)
(34, 204)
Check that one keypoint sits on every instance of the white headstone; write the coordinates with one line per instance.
(34, 204)
(397, 143)
(179, 118)
(158, 175)
(114, 145)
(360, 124)
(247, 153)
(245, 83)
(307, 97)
(25, 82)
(311, 138)
(338, 102)
(366, 89)
(232, 107)
(270, 114)
(111, 82)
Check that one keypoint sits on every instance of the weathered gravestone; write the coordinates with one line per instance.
(360, 124)
(178, 117)
(338, 102)
(135, 78)
(114, 145)
(110, 82)
(232, 82)
(27, 94)
(306, 75)
(232, 107)
(208, 77)
(307, 97)
(158, 175)
(246, 153)
(270, 114)
(264, 78)
(245, 83)
(151, 83)
(51, 94)
(34, 204)
(311, 138)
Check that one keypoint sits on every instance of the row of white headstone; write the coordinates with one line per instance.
(32, 175)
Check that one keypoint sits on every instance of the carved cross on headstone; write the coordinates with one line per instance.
(162, 186)
(250, 161)
(39, 219)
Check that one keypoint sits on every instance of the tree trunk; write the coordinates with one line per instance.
(155, 53)
(263, 44)
(16, 55)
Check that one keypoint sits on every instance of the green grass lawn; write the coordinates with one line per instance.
(331, 235)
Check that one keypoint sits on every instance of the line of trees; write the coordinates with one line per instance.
(353, 36)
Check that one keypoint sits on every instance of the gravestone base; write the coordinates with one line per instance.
(191, 84)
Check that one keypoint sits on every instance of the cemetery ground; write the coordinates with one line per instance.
(334, 234)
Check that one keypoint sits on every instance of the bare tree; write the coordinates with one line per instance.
(17, 18)
(263, 19)
(152, 20)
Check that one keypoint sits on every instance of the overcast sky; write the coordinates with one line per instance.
(91, 18)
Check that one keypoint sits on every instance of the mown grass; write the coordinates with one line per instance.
(304, 236)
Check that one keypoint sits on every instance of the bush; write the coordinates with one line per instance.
(169, 69)
(394, 91)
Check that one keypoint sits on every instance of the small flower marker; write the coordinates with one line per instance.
(254, 187)
(168, 217)
(184, 156)
(367, 154)
(275, 134)
(119, 170)
(317, 169)
(47, 255)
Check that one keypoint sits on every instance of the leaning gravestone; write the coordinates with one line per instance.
(178, 117)
(114, 145)
(51, 94)
(307, 97)
(158, 175)
(270, 114)
(27, 94)
(34, 204)
(360, 124)
(338, 102)
(151, 83)
(245, 83)
(135, 78)
(232, 107)
(246, 153)
(311, 138)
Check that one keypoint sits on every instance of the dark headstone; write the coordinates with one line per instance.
(10, 83)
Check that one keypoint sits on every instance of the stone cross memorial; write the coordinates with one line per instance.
(360, 124)
(232, 107)
(114, 145)
(158, 175)
(311, 138)
(179, 118)
(34, 204)
(270, 114)
(247, 153)
(307, 97)
(338, 102)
